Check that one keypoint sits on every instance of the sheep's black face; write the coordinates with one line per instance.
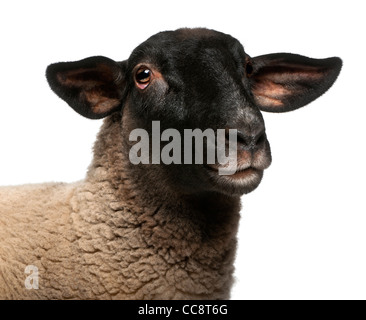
(199, 79)
(196, 79)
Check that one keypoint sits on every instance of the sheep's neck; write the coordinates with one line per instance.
(199, 228)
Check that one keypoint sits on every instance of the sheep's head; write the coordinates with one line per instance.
(197, 79)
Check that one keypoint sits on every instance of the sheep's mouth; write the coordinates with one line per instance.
(243, 180)
(239, 173)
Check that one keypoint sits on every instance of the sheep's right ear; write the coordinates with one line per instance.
(93, 87)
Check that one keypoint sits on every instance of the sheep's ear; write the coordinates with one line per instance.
(283, 82)
(93, 87)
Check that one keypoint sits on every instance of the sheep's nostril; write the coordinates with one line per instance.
(261, 138)
(250, 141)
(242, 138)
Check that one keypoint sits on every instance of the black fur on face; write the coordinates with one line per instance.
(203, 84)
(202, 81)
(197, 78)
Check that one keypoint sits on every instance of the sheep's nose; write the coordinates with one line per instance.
(251, 139)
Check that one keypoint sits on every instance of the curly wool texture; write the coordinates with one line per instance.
(107, 237)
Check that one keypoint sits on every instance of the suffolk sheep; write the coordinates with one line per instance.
(152, 230)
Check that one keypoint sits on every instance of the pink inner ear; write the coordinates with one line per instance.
(268, 93)
(270, 89)
(294, 75)
(79, 78)
(95, 85)
(86, 77)
(99, 103)
(268, 102)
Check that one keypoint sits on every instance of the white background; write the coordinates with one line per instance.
(303, 231)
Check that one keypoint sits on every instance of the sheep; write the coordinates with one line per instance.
(152, 231)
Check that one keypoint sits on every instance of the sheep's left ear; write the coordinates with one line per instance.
(93, 87)
(283, 82)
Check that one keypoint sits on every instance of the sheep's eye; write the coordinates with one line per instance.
(143, 77)
(249, 69)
